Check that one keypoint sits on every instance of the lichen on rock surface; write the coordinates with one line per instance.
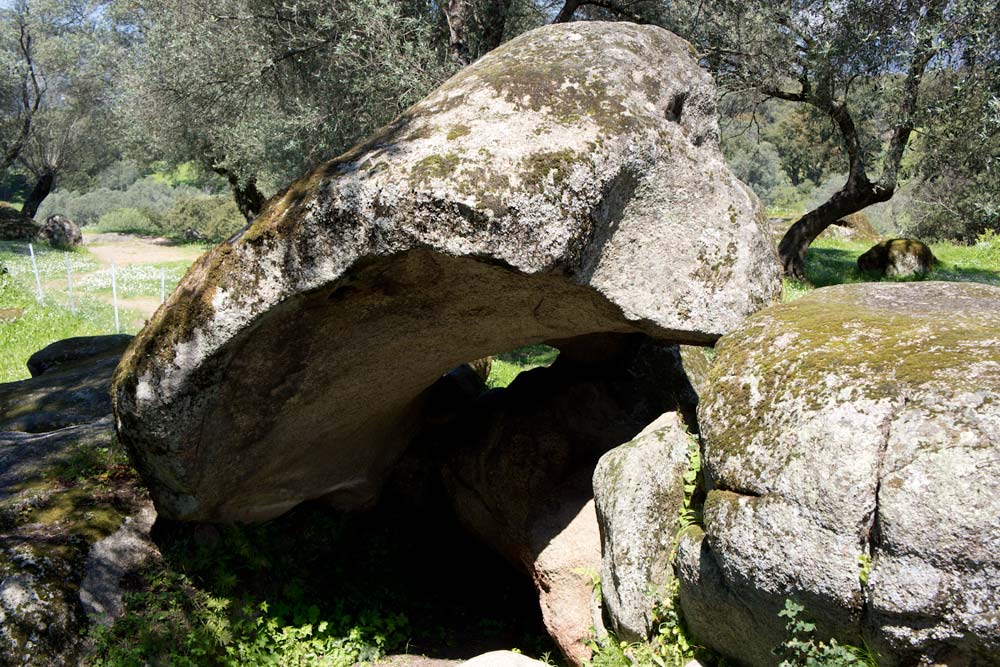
(851, 452)
(569, 182)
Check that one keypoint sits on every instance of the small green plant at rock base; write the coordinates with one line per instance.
(174, 618)
(595, 580)
(670, 645)
(802, 649)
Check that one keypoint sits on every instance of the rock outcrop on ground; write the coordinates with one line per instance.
(521, 460)
(898, 258)
(70, 351)
(502, 659)
(568, 183)
(851, 456)
(15, 226)
(70, 387)
(64, 486)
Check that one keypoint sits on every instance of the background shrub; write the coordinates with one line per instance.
(215, 217)
(130, 221)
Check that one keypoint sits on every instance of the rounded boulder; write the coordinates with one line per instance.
(852, 458)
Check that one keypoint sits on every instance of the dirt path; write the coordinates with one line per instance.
(127, 249)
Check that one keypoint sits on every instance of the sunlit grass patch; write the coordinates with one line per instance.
(27, 326)
(508, 365)
(834, 262)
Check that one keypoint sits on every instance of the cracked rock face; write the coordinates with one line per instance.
(54, 428)
(851, 454)
(568, 183)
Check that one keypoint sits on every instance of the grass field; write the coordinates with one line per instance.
(834, 262)
(29, 323)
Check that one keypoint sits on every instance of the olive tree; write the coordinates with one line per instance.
(864, 64)
(257, 90)
(57, 119)
(22, 85)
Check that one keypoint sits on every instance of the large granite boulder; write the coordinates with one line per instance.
(639, 493)
(567, 183)
(852, 458)
(65, 487)
(520, 463)
(60, 232)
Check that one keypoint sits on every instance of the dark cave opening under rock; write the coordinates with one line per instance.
(456, 543)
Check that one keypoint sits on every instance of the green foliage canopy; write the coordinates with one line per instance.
(259, 89)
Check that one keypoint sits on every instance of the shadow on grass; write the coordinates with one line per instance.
(390, 580)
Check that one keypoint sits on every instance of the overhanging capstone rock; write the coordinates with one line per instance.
(568, 183)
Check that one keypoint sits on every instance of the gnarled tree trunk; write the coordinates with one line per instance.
(38, 193)
(248, 198)
(857, 193)
(456, 12)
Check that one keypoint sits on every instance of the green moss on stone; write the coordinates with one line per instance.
(435, 166)
(457, 132)
(557, 163)
(878, 354)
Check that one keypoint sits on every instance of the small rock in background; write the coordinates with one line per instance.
(898, 258)
(60, 232)
(15, 226)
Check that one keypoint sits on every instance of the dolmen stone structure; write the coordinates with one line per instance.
(566, 184)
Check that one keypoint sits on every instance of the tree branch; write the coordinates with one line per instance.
(569, 8)
(923, 52)
(31, 96)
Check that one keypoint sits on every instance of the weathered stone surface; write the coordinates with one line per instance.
(62, 488)
(71, 350)
(639, 491)
(696, 365)
(502, 659)
(859, 423)
(60, 232)
(521, 461)
(75, 390)
(898, 258)
(15, 226)
(567, 183)
(110, 559)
